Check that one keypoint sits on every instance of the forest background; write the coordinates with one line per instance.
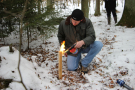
(31, 20)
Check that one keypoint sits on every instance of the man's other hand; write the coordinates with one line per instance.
(79, 44)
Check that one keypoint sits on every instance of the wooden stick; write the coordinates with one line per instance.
(60, 64)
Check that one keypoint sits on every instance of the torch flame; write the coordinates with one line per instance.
(62, 48)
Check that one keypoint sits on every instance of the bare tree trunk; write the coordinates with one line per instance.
(85, 7)
(10, 26)
(78, 2)
(93, 4)
(19, 32)
(97, 12)
(28, 36)
(122, 3)
(101, 2)
(73, 2)
(67, 3)
(49, 4)
(39, 7)
(117, 3)
(128, 17)
(1, 33)
(89, 3)
(21, 20)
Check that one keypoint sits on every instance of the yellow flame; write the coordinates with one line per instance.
(62, 48)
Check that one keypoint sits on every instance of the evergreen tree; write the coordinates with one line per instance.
(9, 13)
(36, 18)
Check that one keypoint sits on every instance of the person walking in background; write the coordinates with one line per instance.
(110, 6)
(77, 29)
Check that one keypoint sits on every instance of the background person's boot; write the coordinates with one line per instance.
(109, 20)
(115, 19)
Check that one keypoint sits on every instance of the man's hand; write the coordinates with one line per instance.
(79, 44)
(65, 54)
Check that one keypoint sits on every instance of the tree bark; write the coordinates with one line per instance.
(21, 29)
(85, 7)
(128, 14)
(49, 4)
(28, 36)
(97, 11)
(89, 3)
(39, 7)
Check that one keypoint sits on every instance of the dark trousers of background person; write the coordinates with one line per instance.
(113, 10)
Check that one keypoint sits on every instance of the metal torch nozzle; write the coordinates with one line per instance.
(70, 48)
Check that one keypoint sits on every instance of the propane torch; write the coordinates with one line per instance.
(70, 48)
(122, 83)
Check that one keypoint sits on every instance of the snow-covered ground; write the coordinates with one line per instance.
(39, 70)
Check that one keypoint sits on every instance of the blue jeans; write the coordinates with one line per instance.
(92, 50)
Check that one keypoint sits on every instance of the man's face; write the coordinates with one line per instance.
(74, 22)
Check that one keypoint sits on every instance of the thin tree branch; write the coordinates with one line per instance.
(21, 29)
(13, 14)
(21, 19)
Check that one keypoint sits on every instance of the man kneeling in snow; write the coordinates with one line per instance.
(78, 29)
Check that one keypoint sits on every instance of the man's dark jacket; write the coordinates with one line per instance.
(70, 34)
(109, 4)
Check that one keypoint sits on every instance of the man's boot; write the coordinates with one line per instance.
(109, 20)
(84, 70)
(115, 19)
